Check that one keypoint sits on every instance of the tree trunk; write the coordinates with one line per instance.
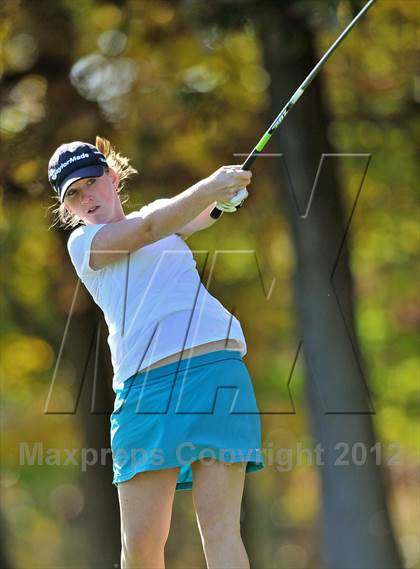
(86, 347)
(356, 525)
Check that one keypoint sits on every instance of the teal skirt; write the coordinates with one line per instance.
(171, 416)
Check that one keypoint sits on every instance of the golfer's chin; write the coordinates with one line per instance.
(99, 216)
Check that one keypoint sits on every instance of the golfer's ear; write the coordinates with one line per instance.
(114, 177)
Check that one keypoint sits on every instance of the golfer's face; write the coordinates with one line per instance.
(94, 200)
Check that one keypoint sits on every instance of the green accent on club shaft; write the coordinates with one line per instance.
(263, 141)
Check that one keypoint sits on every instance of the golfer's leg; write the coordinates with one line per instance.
(146, 509)
(217, 496)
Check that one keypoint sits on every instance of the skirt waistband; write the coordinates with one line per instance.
(181, 365)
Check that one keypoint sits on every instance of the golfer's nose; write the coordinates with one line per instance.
(86, 195)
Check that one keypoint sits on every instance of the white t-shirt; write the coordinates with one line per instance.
(153, 301)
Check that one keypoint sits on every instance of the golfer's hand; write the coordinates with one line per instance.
(234, 203)
(225, 183)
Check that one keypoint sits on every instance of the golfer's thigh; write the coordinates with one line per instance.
(217, 495)
(146, 505)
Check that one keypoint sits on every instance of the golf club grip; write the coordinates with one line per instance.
(216, 212)
(250, 160)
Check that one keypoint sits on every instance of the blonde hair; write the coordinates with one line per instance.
(121, 164)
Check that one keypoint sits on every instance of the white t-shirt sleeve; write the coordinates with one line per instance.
(79, 246)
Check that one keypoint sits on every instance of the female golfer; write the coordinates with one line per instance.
(185, 409)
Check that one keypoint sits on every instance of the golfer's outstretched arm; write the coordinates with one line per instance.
(113, 241)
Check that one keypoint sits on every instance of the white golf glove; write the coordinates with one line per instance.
(234, 203)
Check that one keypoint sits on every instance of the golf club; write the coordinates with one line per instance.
(216, 212)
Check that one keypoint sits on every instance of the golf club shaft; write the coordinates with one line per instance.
(216, 212)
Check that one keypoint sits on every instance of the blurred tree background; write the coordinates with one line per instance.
(182, 87)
